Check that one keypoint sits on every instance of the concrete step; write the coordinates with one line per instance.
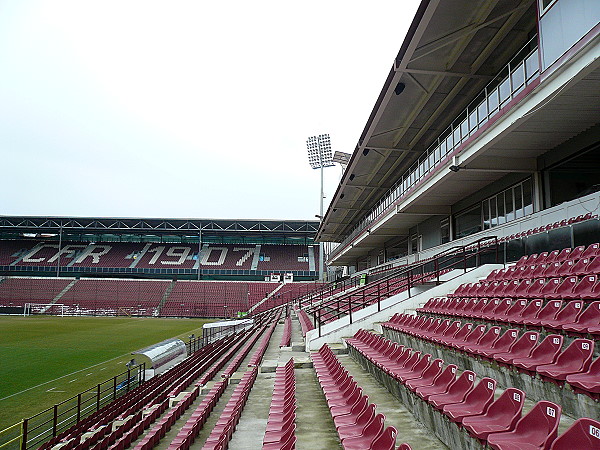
(409, 429)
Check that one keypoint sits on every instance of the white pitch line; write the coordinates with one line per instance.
(73, 380)
(51, 381)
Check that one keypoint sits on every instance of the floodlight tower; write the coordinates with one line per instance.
(319, 157)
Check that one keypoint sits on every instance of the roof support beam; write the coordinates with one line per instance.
(444, 73)
(456, 35)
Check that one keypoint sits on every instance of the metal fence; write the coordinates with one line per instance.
(36, 430)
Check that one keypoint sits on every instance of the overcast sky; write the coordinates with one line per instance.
(188, 109)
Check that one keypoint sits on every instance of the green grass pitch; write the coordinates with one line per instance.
(46, 359)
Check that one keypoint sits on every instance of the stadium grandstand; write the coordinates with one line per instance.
(152, 267)
(462, 309)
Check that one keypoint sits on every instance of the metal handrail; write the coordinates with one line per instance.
(403, 279)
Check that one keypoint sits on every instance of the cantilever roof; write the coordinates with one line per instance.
(452, 50)
(158, 225)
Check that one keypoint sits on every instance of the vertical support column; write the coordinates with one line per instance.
(24, 434)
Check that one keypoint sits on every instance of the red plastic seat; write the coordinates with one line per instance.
(502, 415)
(575, 358)
(568, 314)
(591, 251)
(502, 344)
(536, 430)
(587, 382)
(472, 338)
(415, 371)
(545, 353)
(458, 336)
(361, 422)
(584, 433)
(440, 384)
(485, 341)
(386, 440)
(356, 418)
(548, 312)
(456, 391)
(499, 310)
(367, 435)
(593, 266)
(529, 312)
(586, 321)
(474, 403)
(520, 349)
(565, 289)
(578, 268)
(428, 375)
(513, 312)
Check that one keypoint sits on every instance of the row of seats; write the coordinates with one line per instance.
(570, 317)
(499, 423)
(560, 255)
(146, 397)
(188, 433)
(355, 420)
(525, 353)
(287, 332)
(570, 288)
(281, 426)
(305, 323)
(257, 357)
(550, 226)
(225, 426)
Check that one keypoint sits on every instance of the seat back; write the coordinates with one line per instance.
(447, 377)
(591, 316)
(503, 343)
(482, 394)
(577, 356)
(569, 313)
(374, 428)
(549, 311)
(515, 309)
(532, 308)
(540, 425)
(507, 409)
(584, 433)
(463, 384)
(386, 440)
(523, 346)
(549, 347)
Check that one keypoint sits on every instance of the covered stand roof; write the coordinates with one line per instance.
(165, 354)
(452, 50)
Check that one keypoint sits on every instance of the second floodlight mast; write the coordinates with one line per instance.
(319, 157)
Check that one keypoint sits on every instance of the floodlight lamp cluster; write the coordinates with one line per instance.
(319, 151)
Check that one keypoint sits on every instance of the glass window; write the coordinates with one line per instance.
(527, 198)
(532, 65)
(518, 191)
(482, 112)
(468, 221)
(508, 201)
(473, 122)
(464, 129)
(493, 212)
(449, 142)
(485, 207)
(456, 136)
(493, 101)
(518, 78)
(500, 203)
(504, 89)
(445, 230)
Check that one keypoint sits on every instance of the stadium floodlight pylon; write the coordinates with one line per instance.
(319, 157)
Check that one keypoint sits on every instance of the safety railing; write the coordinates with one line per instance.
(522, 69)
(384, 285)
(49, 423)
